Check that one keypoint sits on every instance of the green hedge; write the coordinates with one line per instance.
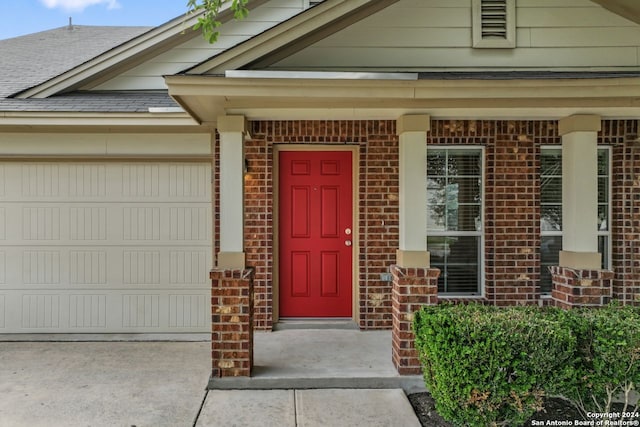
(489, 366)
(608, 357)
(493, 366)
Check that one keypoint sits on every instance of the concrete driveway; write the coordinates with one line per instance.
(102, 383)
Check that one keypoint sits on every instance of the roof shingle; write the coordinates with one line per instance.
(108, 102)
(35, 58)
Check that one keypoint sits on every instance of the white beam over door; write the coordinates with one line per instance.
(580, 192)
(412, 131)
(232, 131)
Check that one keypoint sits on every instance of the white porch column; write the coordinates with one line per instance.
(232, 131)
(412, 130)
(580, 192)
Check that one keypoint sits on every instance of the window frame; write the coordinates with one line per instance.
(480, 293)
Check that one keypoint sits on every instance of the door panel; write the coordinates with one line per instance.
(316, 210)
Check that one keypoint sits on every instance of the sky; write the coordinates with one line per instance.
(20, 17)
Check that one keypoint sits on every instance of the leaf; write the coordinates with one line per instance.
(208, 21)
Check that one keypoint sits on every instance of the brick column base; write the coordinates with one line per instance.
(232, 322)
(412, 288)
(581, 288)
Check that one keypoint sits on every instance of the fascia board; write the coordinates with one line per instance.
(206, 97)
(406, 89)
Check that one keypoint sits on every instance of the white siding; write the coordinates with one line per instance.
(149, 75)
(433, 35)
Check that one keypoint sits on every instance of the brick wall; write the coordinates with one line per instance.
(512, 213)
(412, 289)
(625, 207)
(231, 317)
(377, 207)
(512, 200)
(580, 288)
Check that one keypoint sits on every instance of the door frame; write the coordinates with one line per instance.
(355, 248)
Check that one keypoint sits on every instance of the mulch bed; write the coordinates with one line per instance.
(554, 410)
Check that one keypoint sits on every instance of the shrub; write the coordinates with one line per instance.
(491, 366)
(608, 352)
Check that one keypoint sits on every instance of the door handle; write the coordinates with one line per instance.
(347, 243)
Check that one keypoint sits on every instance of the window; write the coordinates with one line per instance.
(454, 223)
(494, 24)
(551, 210)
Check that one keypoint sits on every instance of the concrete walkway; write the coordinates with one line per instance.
(164, 384)
(307, 408)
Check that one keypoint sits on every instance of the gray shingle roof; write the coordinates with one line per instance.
(108, 102)
(30, 60)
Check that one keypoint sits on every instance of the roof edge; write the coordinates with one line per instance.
(130, 53)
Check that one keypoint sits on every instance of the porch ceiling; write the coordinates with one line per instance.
(207, 97)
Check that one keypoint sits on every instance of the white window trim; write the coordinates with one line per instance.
(494, 43)
(481, 256)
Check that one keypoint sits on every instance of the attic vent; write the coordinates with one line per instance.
(494, 23)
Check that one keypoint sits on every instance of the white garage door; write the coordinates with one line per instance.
(90, 247)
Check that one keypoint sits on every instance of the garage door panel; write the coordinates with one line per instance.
(188, 311)
(65, 223)
(105, 182)
(2, 180)
(3, 224)
(188, 267)
(3, 267)
(95, 223)
(105, 247)
(99, 312)
(88, 267)
(2, 312)
(106, 267)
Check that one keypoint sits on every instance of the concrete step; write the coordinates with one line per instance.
(409, 383)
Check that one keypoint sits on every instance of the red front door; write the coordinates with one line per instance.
(315, 232)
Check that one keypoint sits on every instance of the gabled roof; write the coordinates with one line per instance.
(289, 36)
(39, 65)
(126, 55)
(30, 60)
(210, 89)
